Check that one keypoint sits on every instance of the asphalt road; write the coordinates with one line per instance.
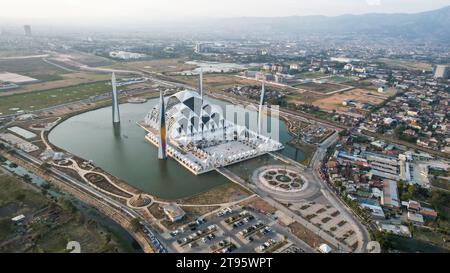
(326, 190)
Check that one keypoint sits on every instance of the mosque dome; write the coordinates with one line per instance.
(188, 112)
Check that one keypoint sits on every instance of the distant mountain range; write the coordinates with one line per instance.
(425, 25)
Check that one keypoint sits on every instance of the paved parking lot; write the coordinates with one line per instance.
(245, 231)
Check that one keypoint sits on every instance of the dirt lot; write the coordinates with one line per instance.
(306, 235)
(334, 102)
(260, 205)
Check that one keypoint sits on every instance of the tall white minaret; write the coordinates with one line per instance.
(115, 100)
(260, 110)
(162, 128)
(201, 83)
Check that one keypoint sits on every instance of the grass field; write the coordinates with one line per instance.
(69, 79)
(340, 79)
(33, 67)
(43, 99)
(365, 84)
(311, 75)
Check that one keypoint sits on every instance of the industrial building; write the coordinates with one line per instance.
(441, 72)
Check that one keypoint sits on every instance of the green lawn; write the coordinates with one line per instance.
(42, 99)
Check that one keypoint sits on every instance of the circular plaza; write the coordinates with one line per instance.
(280, 178)
(283, 182)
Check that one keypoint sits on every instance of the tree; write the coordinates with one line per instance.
(383, 239)
(135, 224)
(80, 218)
(108, 237)
(20, 197)
(45, 167)
(440, 200)
(27, 178)
(343, 133)
(66, 204)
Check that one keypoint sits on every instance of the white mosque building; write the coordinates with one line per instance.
(199, 137)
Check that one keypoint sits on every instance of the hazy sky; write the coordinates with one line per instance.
(176, 9)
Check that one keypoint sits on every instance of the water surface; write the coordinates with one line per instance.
(123, 151)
